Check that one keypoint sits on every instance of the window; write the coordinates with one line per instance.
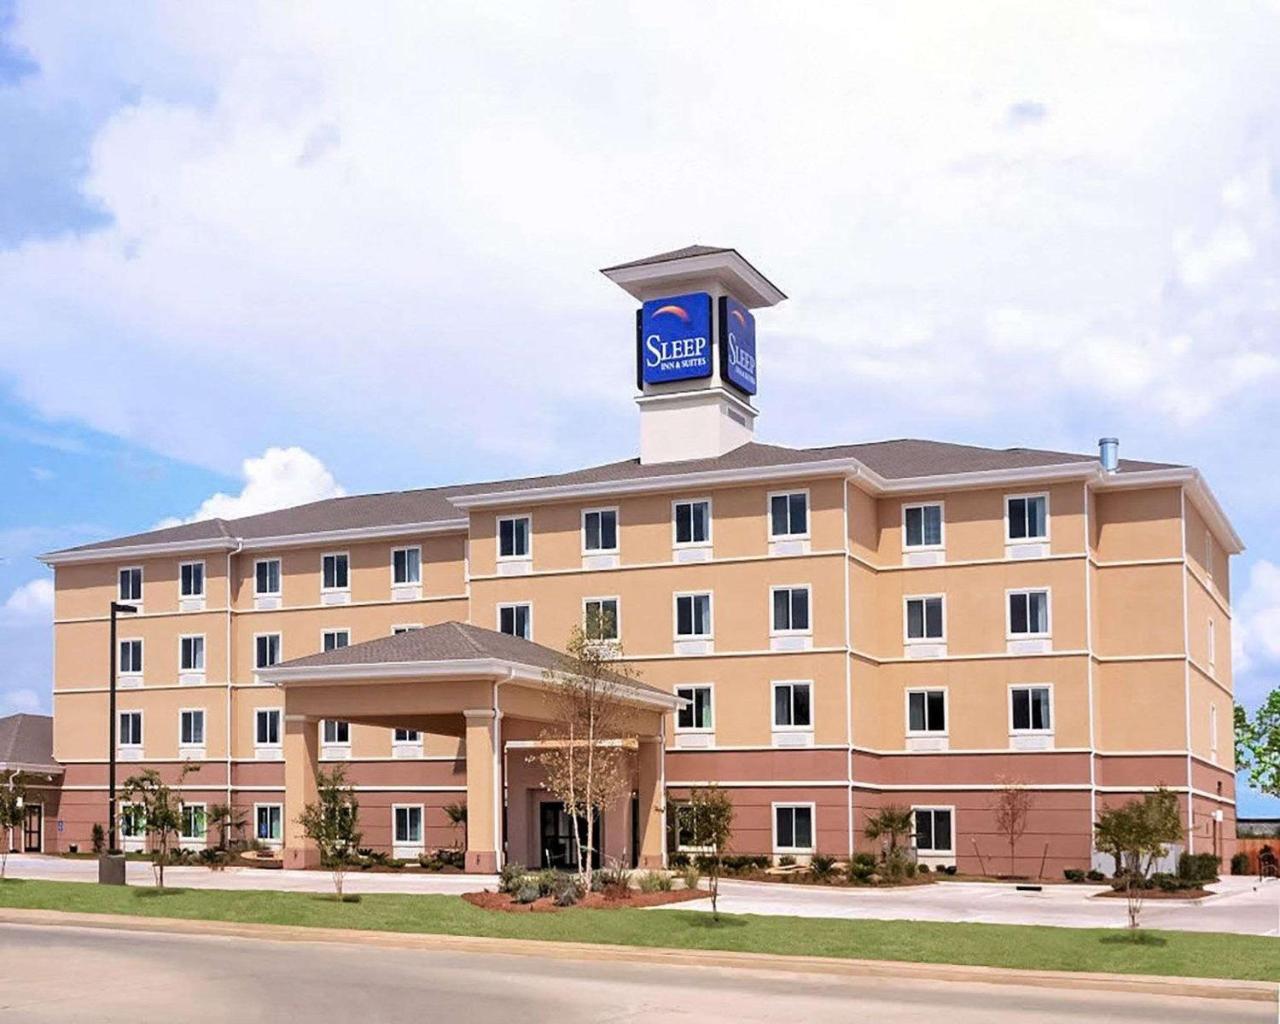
(1212, 645)
(789, 514)
(600, 529)
(1030, 710)
(267, 727)
(191, 654)
(335, 570)
(408, 825)
(790, 609)
(1027, 517)
(133, 821)
(130, 728)
(1029, 613)
(266, 576)
(933, 829)
(692, 522)
(924, 618)
(266, 822)
(193, 821)
(693, 615)
(266, 650)
(131, 585)
(922, 526)
(191, 579)
(1208, 555)
(335, 639)
(926, 711)
(337, 733)
(407, 736)
(513, 537)
(792, 707)
(1213, 732)
(191, 728)
(516, 620)
(397, 630)
(600, 618)
(406, 566)
(696, 715)
(793, 827)
(131, 656)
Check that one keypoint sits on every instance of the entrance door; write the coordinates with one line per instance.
(33, 829)
(558, 848)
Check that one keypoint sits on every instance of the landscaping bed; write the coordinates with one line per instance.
(1157, 894)
(610, 899)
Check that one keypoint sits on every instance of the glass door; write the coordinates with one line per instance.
(33, 829)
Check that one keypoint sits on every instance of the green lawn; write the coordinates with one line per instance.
(1063, 949)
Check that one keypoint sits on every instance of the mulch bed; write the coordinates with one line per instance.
(1157, 894)
(592, 901)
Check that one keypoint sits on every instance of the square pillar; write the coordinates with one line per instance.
(484, 791)
(652, 804)
(301, 764)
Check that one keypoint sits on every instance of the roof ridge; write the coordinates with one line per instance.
(463, 629)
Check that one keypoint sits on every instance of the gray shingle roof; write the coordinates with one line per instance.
(27, 740)
(894, 460)
(667, 257)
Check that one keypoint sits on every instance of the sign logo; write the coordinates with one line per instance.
(737, 345)
(673, 339)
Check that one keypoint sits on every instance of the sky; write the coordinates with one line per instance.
(253, 254)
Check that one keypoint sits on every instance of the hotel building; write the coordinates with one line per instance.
(822, 632)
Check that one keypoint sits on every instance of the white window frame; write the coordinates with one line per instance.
(279, 591)
(333, 630)
(514, 605)
(1213, 733)
(1053, 711)
(789, 587)
(673, 810)
(183, 835)
(406, 583)
(279, 744)
(617, 530)
(203, 580)
(1048, 519)
(697, 729)
(204, 722)
(139, 743)
(1212, 644)
(279, 635)
(808, 515)
(421, 842)
(497, 537)
(946, 711)
(279, 808)
(335, 555)
(142, 656)
(794, 805)
(675, 537)
(405, 627)
(617, 618)
(204, 645)
(141, 582)
(924, 620)
(1208, 554)
(335, 722)
(711, 615)
(773, 705)
(1048, 613)
(417, 736)
(941, 506)
(933, 851)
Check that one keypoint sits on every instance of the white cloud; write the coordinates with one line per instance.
(22, 700)
(278, 478)
(1256, 628)
(31, 602)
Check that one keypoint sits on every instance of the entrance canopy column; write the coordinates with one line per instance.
(484, 791)
(651, 806)
(301, 766)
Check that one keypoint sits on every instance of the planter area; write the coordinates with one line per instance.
(610, 899)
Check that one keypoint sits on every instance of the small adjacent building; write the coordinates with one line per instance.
(26, 753)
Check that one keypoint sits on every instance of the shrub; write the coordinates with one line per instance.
(680, 861)
(1199, 867)
(511, 878)
(1073, 874)
(922, 868)
(99, 837)
(691, 876)
(822, 866)
(786, 861)
(566, 889)
(615, 876)
(1093, 875)
(528, 892)
(950, 869)
(651, 881)
(861, 868)
(212, 858)
(1240, 863)
(545, 880)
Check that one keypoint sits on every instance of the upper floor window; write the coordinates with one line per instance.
(131, 584)
(516, 620)
(335, 639)
(266, 650)
(792, 706)
(790, 609)
(266, 576)
(513, 537)
(789, 514)
(1208, 554)
(407, 736)
(922, 526)
(406, 628)
(696, 715)
(926, 711)
(693, 615)
(335, 570)
(1027, 517)
(130, 729)
(191, 654)
(130, 656)
(692, 522)
(191, 728)
(925, 618)
(1212, 643)
(1030, 709)
(600, 618)
(1028, 613)
(406, 566)
(600, 529)
(337, 733)
(266, 732)
(191, 579)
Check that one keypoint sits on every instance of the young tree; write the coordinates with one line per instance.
(13, 793)
(586, 754)
(1139, 832)
(1258, 744)
(705, 823)
(1012, 805)
(161, 808)
(332, 824)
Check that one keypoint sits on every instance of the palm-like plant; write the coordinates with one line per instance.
(457, 815)
(893, 821)
(227, 819)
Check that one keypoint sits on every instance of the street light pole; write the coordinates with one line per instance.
(128, 609)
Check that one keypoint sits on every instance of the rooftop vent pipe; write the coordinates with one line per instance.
(1109, 453)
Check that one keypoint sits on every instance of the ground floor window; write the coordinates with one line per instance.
(408, 825)
(793, 828)
(933, 829)
(267, 818)
(193, 821)
(133, 821)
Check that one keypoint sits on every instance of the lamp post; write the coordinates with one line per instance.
(111, 866)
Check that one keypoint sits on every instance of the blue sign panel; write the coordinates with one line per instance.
(738, 345)
(673, 341)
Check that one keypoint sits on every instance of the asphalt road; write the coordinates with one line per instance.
(71, 975)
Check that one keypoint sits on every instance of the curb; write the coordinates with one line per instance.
(1198, 988)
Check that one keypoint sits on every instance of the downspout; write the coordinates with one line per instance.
(227, 654)
(848, 665)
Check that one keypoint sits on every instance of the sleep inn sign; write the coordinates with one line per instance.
(673, 339)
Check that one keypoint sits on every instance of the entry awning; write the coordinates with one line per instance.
(452, 650)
